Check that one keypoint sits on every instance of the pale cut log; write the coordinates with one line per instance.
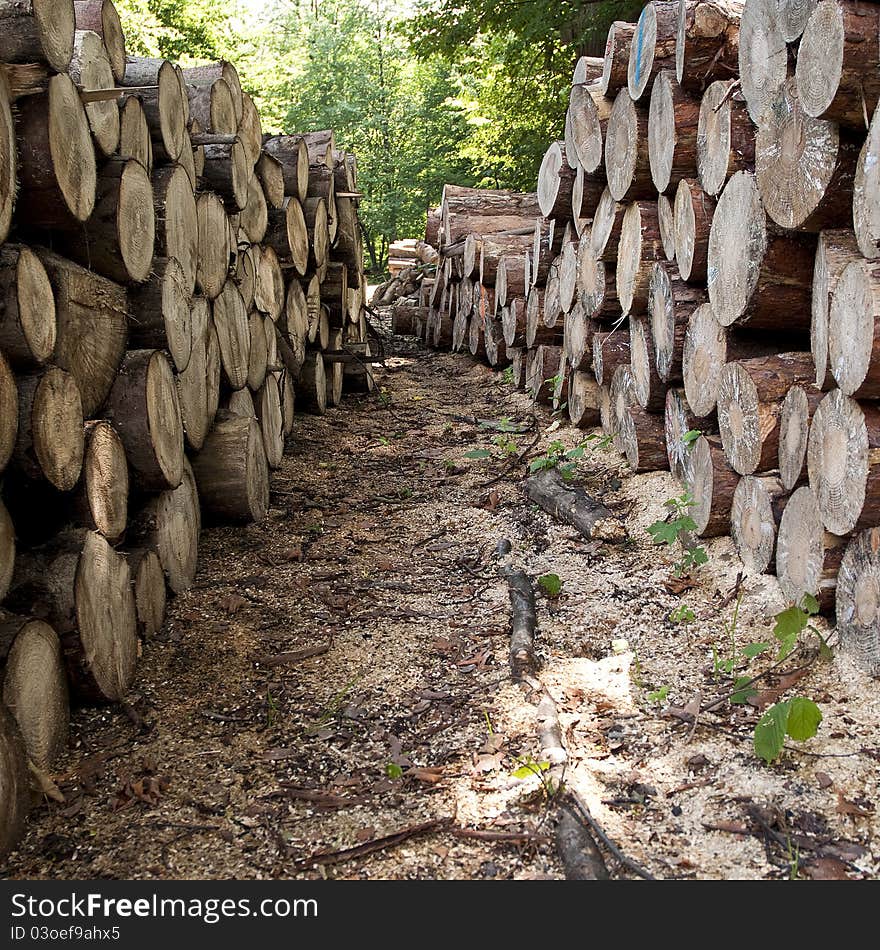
(464, 208)
(117, 241)
(757, 275)
(693, 212)
(166, 108)
(37, 31)
(640, 246)
(212, 106)
(255, 217)
(567, 275)
(83, 588)
(192, 381)
(750, 394)
(315, 212)
(763, 56)
(546, 365)
(673, 119)
(707, 42)
(597, 291)
(269, 287)
(476, 343)
(666, 224)
(246, 266)
(470, 258)
(179, 225)
(758, 504)
(805, 167)
(273, 362)
(516, 354)
(50, 435)
(228, 173)
(214, 369)
(145, 411)
(312, 290)
(550, 309)
(150, 594)
(607, 224)
(15, 786)
(292, 153)
(56, 158)
(295, 323)
(493, 341)
(606, 419)
(267, 404)
(90, 69)
(159, 317)
(192, 154)
(834, 251)
(794, 427)
(270, 173)
(213, 245)
(494, 247)
(102, 17)
(678, 421)
(35, 687)
(842, 462)
(7, 549)
(725, 137)
(514, 319)
(312, 390)
(209, 74)
(670, 304)
(560, 384)
(627, 163)
(648, 388)
(555, 181)
(27, 309)
(101, 498)
(577, 340)
(712, 485)
(621, 397)
(858, 601)
(838, 62)
(258, 354)
(854, 330)
(8, 412)
(583, 399)
(8, 160)
(334, 292)
(793, 17)
(287, 388)
(134, 135)
(642, 438)
(615, 66)
(585, 195)
(807, 556)
(321, 146)
(170, 523)
(653, 46)
(610, 350)
(233, 335)
(866, 194)
(588, 111)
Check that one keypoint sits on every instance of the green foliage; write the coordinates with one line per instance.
(797, 718)
(478, 454)
(550, 584)
(790, 623)
(529, 767)
(682, 614)
(658, 695)
(507, 376)
(691, 436)
(393, 770)
(677, 528)
(560, 458)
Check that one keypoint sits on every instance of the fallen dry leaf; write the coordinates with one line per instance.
(823, 780)
(428, 775)
(766, 697)
(846, 807)
(232, 603)
(678, 585)
(365, 834)
(826, 869)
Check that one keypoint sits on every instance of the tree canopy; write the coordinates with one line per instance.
(466, 91)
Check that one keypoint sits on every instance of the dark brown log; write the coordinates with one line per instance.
(807, 556)
(640, 246)
(763, 57)
(653, 46)
(312, 390)
(494, 247)
(834, 251)
(610, 350)
(725, 137)
(15, 801)
(794, 426)
(7, 549)
(627, 165)
(750, 395)
(572, 505)
(693, 211)
(672, 133)
(858, 602)
(90, 69)
(757, 508)
(854, 330)
(758, 276)
(712, 485)
(578, 851)
(37, 31)
(101, 17)
(707, 44)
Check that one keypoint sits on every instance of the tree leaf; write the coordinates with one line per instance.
(550, 584)
(691, 436)
(477, 454)
(751, 650)
(770, 732)
(804, 717)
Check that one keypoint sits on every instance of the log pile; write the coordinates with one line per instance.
(699, 271)
(172, 284)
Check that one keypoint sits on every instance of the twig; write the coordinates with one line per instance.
(516, 460)
(599, 831)
(294, 656)
(376, 844)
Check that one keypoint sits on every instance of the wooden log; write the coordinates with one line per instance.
(270, 173)
(49, 445)
(334, 292)
(292, 153)
(258, 352)
(269, 286)
(615, 66)
(100, 501)
(707, 42)
(180, 223)
(583, 399)
(712, 485)
(56, 158)
(666, 225)
(228, 172)
(8, 160)
(208, 74)
(649, 389)
(834, 251)
(597, 292)
(670, 304)
(495, 247)
(255, 216)
(144, 409)
(758, 276)
(160, 316)
(37, 31)
(858, 601)
(678, 421)
(35, 687)
(693, 213)
(213, 243)
(8, 412)
(607, 224)
(725, 137)
(555, 181)
(15, 784)
(547, 240)
(267, 404)
(233, 335)
(295, 324)
(627, 164)
(514, 320)
(166, 108)
(192, 380)
(572, 505)
(27, 309)
(493, 342)
(464, 208)
(854, 330)
(794, 426)
(134, 134)
(312, 389)
(585, 195)
(102, 17)
(793, 16)
(807, 556)
(758, 504)
(150, 595)
(653, 46)
(642, 437)
(90, 69)
(578, 335)
(212, 106)
(567, 275)
(7, 549)
(610, 350)
(750, 394)
(640, 246)
(673, 119)
(866, 194)
(83, 589)
(763, 56)
(838, 63)
(169, 524)
(588, 111)
(621, 396)
(805, 167)
(315, 213)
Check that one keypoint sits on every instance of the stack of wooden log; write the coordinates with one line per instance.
(698, 272)
(171, 282)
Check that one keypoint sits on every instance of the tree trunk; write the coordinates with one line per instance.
(643, 440)
(707, 46)
(269, 286)
(578, 338)
(712, 485)
(649, 389)
(653, 46)
(37, 31)
(834, 251)
(585, 196)
(192, 381)
(495, 247)
(463, 210)
(555, 182)
(670, 303)
(233, 334)
(627, 164)
(100, 502)
(640, 246)
(854, 330)
(270, 172)
(134, 134)
(763, 57)
(101, 17)
(212, 106)
(678, 420)
(161, 316)
(858, 602)
(213, 237)
(255, 216)
(757, 507)
(597, 293)
(228, 173)
(615, 65)
(315, 212)
(149, 590)
(673, 118)
(725, 137)
(794, 426)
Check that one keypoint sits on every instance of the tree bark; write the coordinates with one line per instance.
(707, 47)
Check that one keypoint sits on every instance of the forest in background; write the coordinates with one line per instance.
(424, 91)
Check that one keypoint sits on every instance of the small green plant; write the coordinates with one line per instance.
(550, 584)
(798, 718)
(506, 446)
(393, 770)
(791, 622)
(676, 529)
(507, 376)
(271, 708)
(682, 614)
(384, 397)
(658, 695)
(478, 454)
(528, 766)
(691, 436)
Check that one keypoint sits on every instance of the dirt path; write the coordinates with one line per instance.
(242, 756)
